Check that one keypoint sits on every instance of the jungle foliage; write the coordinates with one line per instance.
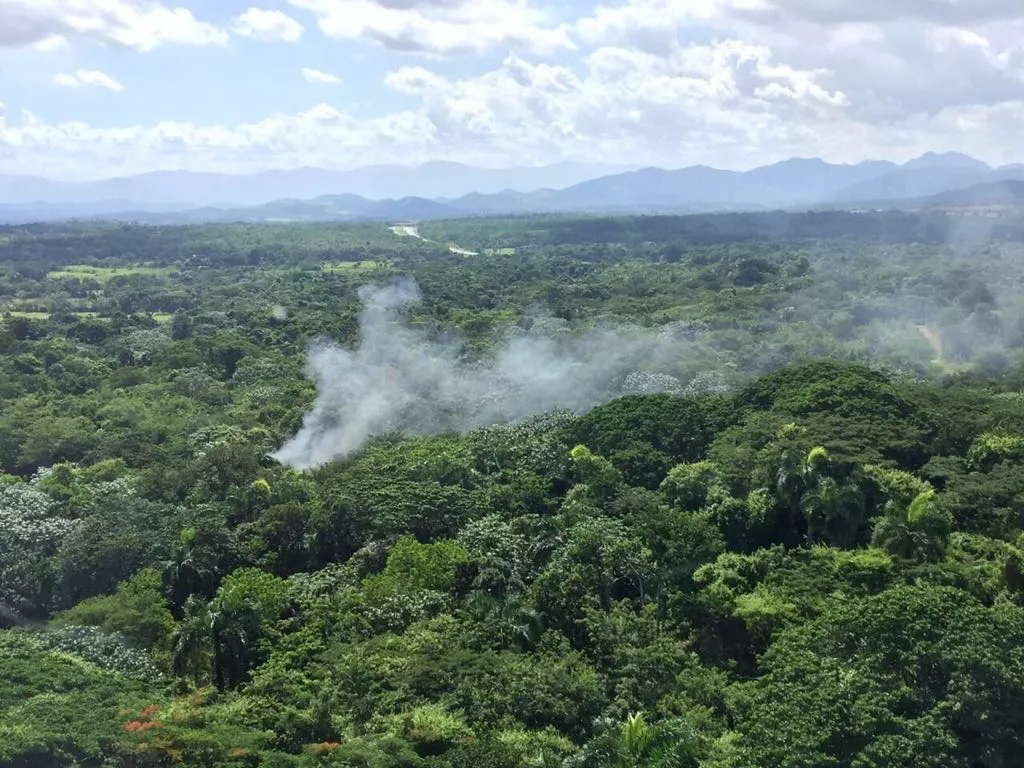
(813, 556)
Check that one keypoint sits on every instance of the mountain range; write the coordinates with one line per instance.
(184, 189)
(450, 190)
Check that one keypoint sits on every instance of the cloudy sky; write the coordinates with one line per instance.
(106, 87)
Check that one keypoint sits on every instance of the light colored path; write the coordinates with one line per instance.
(406, 230)
(934, 339)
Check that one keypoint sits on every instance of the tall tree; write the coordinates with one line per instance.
(918, 531)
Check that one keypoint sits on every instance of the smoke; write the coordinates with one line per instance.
(400, 379)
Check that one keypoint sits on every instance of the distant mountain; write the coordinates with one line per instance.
(1009, 192)
(917, 182)
(797, 184)
(438, 180)
(791, 182)
(947, 160)
(104, 209)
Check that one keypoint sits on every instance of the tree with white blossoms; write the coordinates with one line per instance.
(31, 531)
(139, 346)
(650, 383)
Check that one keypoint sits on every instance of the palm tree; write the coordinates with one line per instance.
(834, 510)
(184, 574)
(213, 638)
(639, 744)
(499, 598)
(919, 532)
(232, 635)
(191, 642)
(795, 477)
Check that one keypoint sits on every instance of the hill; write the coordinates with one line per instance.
(795, 184)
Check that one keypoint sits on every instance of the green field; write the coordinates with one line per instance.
(500, 251)
(104, 274)
(350, 266)
(31, 315)
(28, 315)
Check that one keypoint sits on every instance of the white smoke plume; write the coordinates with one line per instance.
(399, 379)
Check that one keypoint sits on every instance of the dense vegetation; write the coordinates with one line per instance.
(810, 555)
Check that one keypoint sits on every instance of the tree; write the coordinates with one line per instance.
(191, 644)
(602, 562)
(990, 448)
(920, 676)
(181, 325)
(187, 572)
(234, 631)
(822, 505)
(226, 351)
(636, 743)
(918, 531)
(32, 529)
(121, 533)
(217, 638)
(687, 485)
(596, 473)
(834, 511)
(137, 610)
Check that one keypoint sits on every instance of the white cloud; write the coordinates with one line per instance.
(318, 76)
(442, 27)
(932, 11)
(51, 44)
(139, 24)
(653, 23)
(268, 26)
(732, 83)
(87, 77)
(700, 103)
(892, 60)
(728, 103)
(322, 135)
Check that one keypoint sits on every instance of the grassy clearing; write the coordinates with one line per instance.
(104, 274)
(28, 315)
(350, 266)
(162, 317)
(500, 251)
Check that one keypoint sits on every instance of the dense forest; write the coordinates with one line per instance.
(625, 492)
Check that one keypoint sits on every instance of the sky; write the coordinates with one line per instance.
(99, 88)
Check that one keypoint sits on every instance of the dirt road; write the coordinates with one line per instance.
(405, 231)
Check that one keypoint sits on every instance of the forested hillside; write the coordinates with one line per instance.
(621, 493)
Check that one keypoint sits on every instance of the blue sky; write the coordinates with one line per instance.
(103, 87)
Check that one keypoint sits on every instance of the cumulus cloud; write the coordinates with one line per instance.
(139, 25)
(442, 27)
(727, 103)
(891, 60)
(730, 83)
(86, 78)
(268, 26)
(318, 76)
(653, 24)
(398, 378)
(321, 135)
(696, 103)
